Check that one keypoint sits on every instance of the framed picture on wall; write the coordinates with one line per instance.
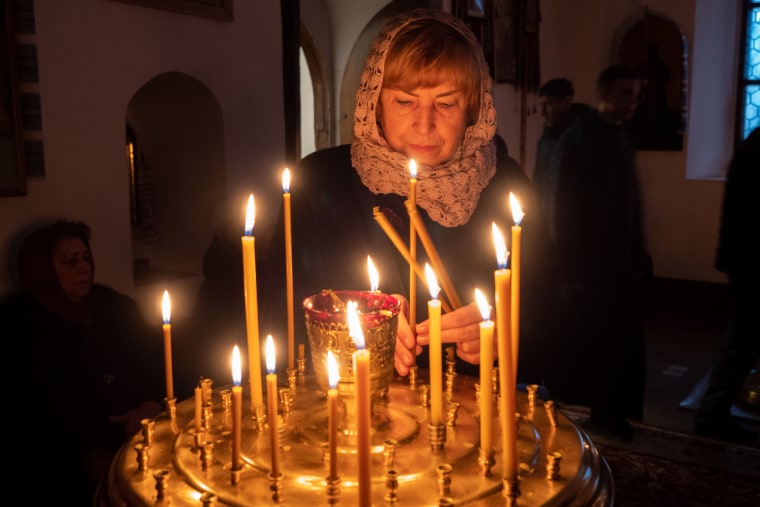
(220, 10)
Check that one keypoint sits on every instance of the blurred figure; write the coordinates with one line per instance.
(605, 268)
(559, 110)
(89, 366)
(735, 256)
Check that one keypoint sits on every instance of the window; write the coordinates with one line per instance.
(749, 67)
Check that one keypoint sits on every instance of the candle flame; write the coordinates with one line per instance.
(374, 278)
(517, 212)
(270, 355)
(500, 246)
(354, 326)
(483, 306)
(412, 168)
(236, 374)
(250, 216)
(166, 307)
(432, 281)
(286, 180)
(333, 376)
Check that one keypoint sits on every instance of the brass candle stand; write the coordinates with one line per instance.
(413, 462)
(405, 471)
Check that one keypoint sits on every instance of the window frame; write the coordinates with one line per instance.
(742, 80)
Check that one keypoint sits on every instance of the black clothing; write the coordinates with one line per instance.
(544, 175)
(736, 256)
(70, 377)
(604, 268)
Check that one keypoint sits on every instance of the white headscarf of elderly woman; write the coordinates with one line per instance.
(449, 192)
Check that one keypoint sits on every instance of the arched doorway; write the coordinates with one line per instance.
(175, 125)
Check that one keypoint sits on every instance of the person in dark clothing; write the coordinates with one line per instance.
(604, 265)
(441, 114)
(736, 257)
(559, 112)
(90, 368)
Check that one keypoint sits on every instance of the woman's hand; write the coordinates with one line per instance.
(462, 327)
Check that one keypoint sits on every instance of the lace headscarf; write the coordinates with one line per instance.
(449, 192)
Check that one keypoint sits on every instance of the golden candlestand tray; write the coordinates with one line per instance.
(170, 463)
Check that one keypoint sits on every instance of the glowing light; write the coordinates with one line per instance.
(250, 216)
(517, 213)
(432, 282)
(354, 326)
(270, 354)
(374, 278)
(500, 245)
(236, 367)
(483, 306)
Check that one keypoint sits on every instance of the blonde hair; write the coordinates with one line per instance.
(427, 53)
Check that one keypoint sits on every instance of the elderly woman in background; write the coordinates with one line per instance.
(84, 366)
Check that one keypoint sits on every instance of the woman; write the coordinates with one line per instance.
(425, 94)
(85, 365)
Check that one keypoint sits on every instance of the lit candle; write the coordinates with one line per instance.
(166, 306)
(251, 306)
(412, 250)
(333, 376)
(486, 367)
(507, 387)
(363, 403)
(198, 405)
(274, 419)
(436, 352)
(374, 277)
(517, 216)
(237, 408)
(288, 265)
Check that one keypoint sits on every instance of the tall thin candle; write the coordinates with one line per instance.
(515, 259)
(251, 306)
(412, 250)
(363, 403)
(166, 306)
(436, 352)
(288, 265)
(333, 376)
(272, 403)
(237, 408)
(507, 387)
(198, 399)
(486, 367)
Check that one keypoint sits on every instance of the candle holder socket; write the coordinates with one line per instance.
(532, 394)
(162, 482)
(486, 460)
(148, 431)
(437, 436)
(391, 483)
(444, 479)
(552, 465)
(452, 413)
(171, 408)
(207, 455)
(389, 452)
(424, 395)
(143, 456)
(208, 499)
(551, 413)
(510, 490)
(286, 399)
(206, 390)
(292, 379)
(413, 372)
(333, 490)
(259, 417)
(275, 486)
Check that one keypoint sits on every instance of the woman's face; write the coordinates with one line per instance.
(72, 261)
(426, 124)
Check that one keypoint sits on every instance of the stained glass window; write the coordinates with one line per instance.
(749, 111)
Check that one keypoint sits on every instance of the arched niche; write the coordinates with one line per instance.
(655, 47)
(178, 179)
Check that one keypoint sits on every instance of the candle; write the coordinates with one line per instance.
(237, 408)
(198, 404)
(363, 404)
(288, 264)
(301, 354)
(374, 277)
(251, 306)
(382, 220)
(333, 376)
(517, 216)
(486, 367)
(166, 306)
(432, 253)
(412, 250)
(436, 352)
(274, 419)
(507, 387)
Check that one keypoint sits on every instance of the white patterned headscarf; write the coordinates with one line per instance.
(449, 192)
